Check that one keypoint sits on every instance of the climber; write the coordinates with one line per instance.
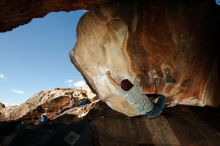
(20, 125)
(84, 102)
(43, 120)
(142, 104)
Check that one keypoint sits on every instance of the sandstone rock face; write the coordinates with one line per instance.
(14, 13)
(49, 103)
(168, 46)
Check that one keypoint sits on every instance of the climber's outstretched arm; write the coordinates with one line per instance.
(114, 82)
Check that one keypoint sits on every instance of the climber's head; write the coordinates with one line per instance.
(126, 85)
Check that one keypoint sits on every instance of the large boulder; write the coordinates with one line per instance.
(168, 46)
(14, 13)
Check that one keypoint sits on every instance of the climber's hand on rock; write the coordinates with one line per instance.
(169, 102)
(108, 73)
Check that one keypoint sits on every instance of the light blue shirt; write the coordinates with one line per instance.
(138, 100)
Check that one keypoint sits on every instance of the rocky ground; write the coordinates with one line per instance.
(102, 126)
(180, 125)
(19, 125)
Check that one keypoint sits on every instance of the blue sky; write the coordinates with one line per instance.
(35, 57)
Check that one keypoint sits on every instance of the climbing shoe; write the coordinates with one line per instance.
(158, 108)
